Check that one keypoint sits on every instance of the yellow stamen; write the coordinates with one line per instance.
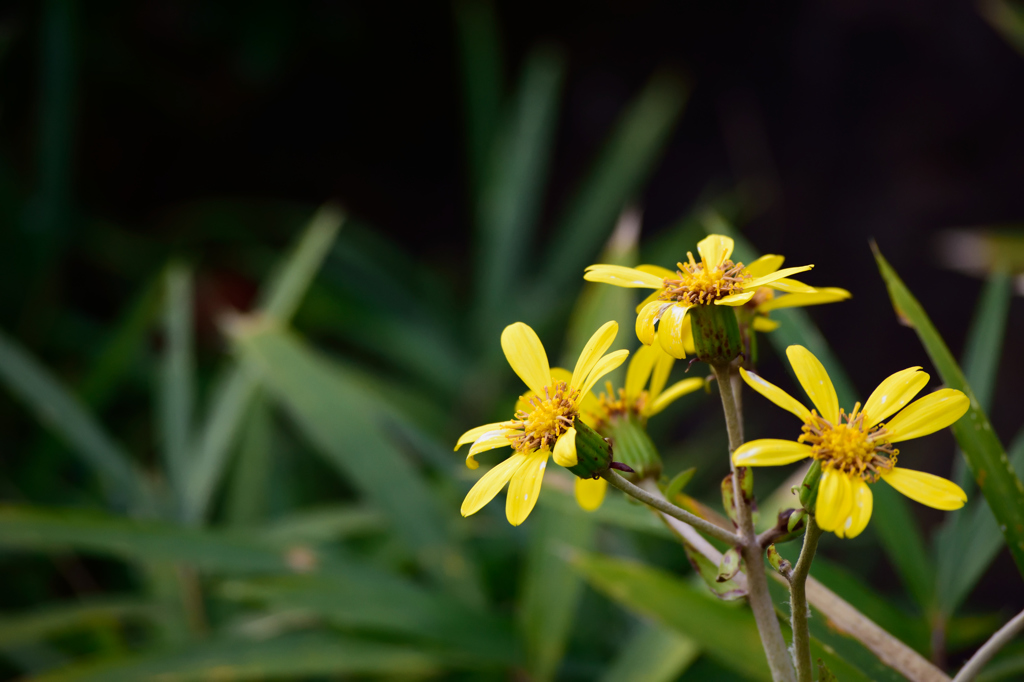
(550, 417)
(848, 447)
(703, 284)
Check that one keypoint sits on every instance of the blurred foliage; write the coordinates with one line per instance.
(225, 480)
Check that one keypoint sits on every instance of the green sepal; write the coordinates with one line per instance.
(809, 487)
(716, 335)
(729, 566)
(633, 447)
(593, 452)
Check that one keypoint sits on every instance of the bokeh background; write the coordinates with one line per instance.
(134, 135)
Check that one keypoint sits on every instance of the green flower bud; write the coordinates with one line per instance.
(716, 336)
(593, 452)
(729, 566)
(776, 561)
(728, 499)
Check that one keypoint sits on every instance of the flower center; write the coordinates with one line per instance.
(847, 447)
(550, 416)
(701, 284)
(612, 405)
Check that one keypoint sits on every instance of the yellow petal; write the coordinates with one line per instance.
(820, 296)
(590, 493)
(672, 330)
(768, 452)
(777, 275)
(736, 299)
(565, 449)
(640, 367)
(621, 276)
(792, 286)
(860, 510)
(589, 406)
(663, 368)
(927, 415)
(673, 393)
(893, 394)
(526, 355)
(592, 352)
(765, 324)
(835, 499)
(471, 435)
(653, 296)
(930, 490)
(487, 441)
(765, 265)
(715, 249)
(775, 394)
(525, 487)
(490, 484)
(814, 379)
(647, 319)
(603, 366)
(658, 271)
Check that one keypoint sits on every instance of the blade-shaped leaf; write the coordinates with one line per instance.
(253, 469)
(654, 654)
(57, 409)
(349, 425)
(984, 453)
(286, 657)
(551, 591)
(49, 621)
(618, 174)
(177, 376)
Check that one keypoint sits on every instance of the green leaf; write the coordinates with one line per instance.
(279, 301)
(480, 47)
(58, 410)
(376, 604)
(726, 632)
(1007, 17)
(253, 468)
(551, 591)
(326, 524)
(900, 535)
(616, 510)
(177, 375)
(302, 654)
(985, 455)
(351, 426)
(511, 199)
(59, 619)
(654, 654)
(620, 171)
(678, 483)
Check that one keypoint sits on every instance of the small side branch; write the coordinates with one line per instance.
(989, 649)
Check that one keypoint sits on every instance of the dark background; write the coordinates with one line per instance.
(837, 121)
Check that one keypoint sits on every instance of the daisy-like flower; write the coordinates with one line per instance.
(856, 448)
(714, 280)
(543, 423)
(636, 402)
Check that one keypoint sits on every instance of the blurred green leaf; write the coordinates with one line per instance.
(279, 300)
(480, 45)
(59, 619)
(349, 424)
(654, 654)
(1007, 17)
(513, 191)
(985, 455)
(616, 510)
(900, 535)
(624, 164)
(326, 524)
(249, 491)
(238, 659)
(58, 410)
(177, 376)
(551, 590)
(678, 482)
(379, 604)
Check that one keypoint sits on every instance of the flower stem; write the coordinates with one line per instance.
(989, 649)
(757, 584)
(798, 602)
(663, 505)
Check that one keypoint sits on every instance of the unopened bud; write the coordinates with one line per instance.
(729, 566)
(728, 499)
(776, 561)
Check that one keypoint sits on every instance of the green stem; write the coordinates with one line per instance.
(663, 505)
(798, 602)
(757, 584)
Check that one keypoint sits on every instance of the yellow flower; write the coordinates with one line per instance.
(543, 422)
(857, 448)
(636, 399)
(714, 280)
(765, 301)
